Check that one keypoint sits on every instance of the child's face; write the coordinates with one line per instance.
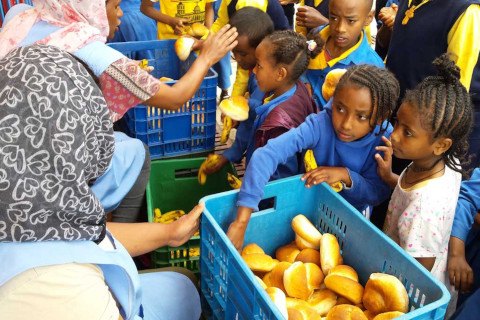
(410, 140)
(347, 18)
(244, 53)
(265, 70)
(114, 13)
(351, 113)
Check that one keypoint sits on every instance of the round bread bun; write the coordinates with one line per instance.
(252, 248)
(330, 83)
(302, 312)
(346, 312)
(279, 299)
(287, 253)
(383, 293)
(259, 262)
(314, 275)
(198, 29)
(267, 280)
(322, 301)
(264, 286)
(345, 271)
(345, 287)
(343, 300)
(369, 314)
(183, 47)
(306, 230)
(329, 252)
(296, 282)
(304, 244)
(309, 255)
(276, 275)
(235, 107)
(388, 315)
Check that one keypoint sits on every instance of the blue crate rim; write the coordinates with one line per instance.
(410, 315)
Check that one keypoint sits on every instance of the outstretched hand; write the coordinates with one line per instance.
(329, 175)
(184, 228)
(216, 46)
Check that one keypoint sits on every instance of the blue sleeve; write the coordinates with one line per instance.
(265, 160)
(242, 140)
(467, 206)
(276, 13)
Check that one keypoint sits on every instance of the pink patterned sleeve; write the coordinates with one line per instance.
(124, 85)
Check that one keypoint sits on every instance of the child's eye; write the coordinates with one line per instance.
(408, 133)
(351, 21)
(363, 117)
(340, 109)
(333, 18)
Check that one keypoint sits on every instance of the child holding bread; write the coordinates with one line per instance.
(432, 128)
(343, 138)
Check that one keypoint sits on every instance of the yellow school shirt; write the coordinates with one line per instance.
(189, 9)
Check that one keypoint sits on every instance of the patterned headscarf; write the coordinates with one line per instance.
(81, 22)
(55, 139)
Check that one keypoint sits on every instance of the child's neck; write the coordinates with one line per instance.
(422, 170)
(282, 89)
(334, 51)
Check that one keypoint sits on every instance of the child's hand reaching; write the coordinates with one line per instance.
(184, 228)
(178, 24)
(309, 17)
(387, 15)
(384, 163)
(329, 175)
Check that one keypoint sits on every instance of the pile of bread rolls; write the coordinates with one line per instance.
(308, 280)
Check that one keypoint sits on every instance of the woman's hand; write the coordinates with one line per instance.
(384, 169)
(310, 17)
(216, 46)
(236, 230)
(329, 175)
(184, 228)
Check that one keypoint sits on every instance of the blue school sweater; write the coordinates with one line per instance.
(318, 68)
(467, 206)
(317, 133)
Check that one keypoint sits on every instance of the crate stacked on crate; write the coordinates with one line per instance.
(229, 289)
(172, 133)
(173, 185)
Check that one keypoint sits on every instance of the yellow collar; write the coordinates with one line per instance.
(325, 34)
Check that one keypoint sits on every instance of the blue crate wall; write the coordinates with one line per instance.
(188, 130)
(229, 288)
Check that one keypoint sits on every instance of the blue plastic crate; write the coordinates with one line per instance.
(5, 5)
(188, 130)
(229, 288)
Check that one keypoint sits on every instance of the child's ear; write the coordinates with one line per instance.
(369, 18)
(282, 73)
(441, 145)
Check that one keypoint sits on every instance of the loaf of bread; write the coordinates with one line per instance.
(306, 230)
(235, 107)
(287, 253)
(346, 312)
(252, 248)
(279, 299)
(276, 275)
(301, 310)
(296, 282)
(259, 262)
(304, 244)
(322, 301)
(344, 271)
(309, 255)
(329, 252)
(330, 83)
(183, 47)
(384, 293)
(345, 287)
(388, 315)
(314, 275)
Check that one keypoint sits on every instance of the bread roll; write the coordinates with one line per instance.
(302, 312)
(322, 301)
(369, 314)
(345, 271)
(296, 282)
(309, 255)
(314, 275)
(276, 275)
(199, 30)
(304, 244)
(183, 47)
(279, 299)
(345, 287)
(235, 107)
(383, 293)
(343, 300)
(252, 248)
(259, 262)
(346, 312)
(329, 252)
(287, 253)
(388, 315)
(264, 286)
(305, 229)
(267, 279)
(330, 83)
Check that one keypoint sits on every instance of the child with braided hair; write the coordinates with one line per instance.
(432, 129)
(343, 138)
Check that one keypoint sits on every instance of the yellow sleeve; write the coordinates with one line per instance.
(222, 18)
(464, 44)
(241, 82)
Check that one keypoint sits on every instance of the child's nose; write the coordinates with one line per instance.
(340, 26)
(347, 123)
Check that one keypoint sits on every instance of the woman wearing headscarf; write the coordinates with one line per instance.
(57, 258)
(81, 27)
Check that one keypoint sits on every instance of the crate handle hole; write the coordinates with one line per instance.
(186, 173)
(269, 203)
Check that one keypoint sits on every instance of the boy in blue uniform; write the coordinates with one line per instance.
(346, 43)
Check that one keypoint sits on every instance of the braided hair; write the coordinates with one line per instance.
(291, 49)
(255, 32)
(445, 109)
(383, 86)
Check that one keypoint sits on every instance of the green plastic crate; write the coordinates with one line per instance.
(173, 185)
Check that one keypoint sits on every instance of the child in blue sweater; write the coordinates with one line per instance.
(343, 138)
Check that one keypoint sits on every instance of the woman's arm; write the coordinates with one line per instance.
(140, 238)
